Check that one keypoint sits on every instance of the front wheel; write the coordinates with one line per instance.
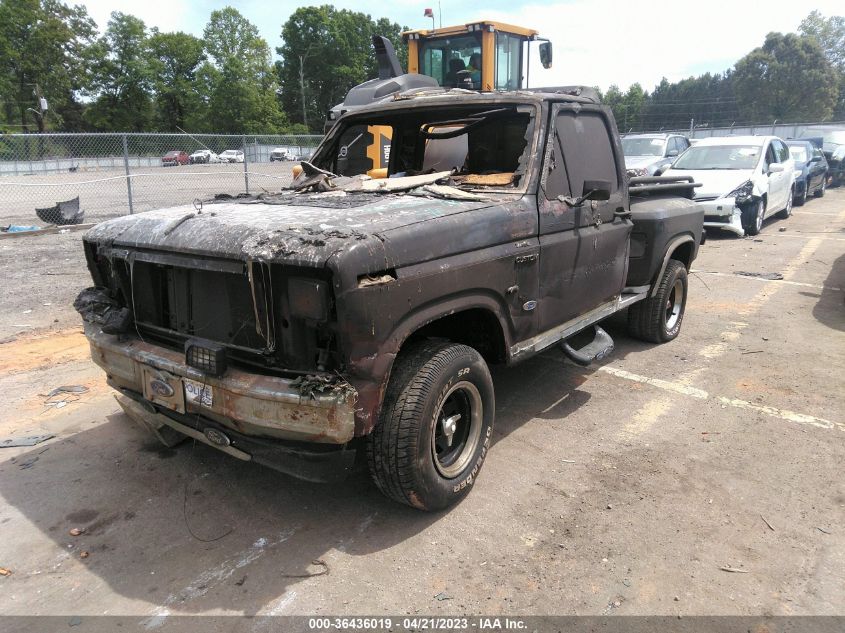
(752, 217)
(820, 191)
(436, 426)
(658, 318)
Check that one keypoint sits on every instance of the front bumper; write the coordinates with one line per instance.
(250, 404)
(722, 213)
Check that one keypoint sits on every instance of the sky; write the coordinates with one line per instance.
(596, 42)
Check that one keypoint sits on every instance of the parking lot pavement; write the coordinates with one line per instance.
(103, 193)
(634, 487)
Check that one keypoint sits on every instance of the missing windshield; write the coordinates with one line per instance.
(477, 147)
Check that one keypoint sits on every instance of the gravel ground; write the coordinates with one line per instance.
(626, 488)
(103, 193)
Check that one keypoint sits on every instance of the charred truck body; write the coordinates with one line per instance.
(355, 316)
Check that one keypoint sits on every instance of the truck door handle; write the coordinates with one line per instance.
(621, 213)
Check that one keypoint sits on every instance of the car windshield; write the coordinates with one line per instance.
(798, 153)
(642, 146)
(719, 157)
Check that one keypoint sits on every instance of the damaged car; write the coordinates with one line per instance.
(353, 316)
(744, 180)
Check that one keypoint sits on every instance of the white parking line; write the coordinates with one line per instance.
(666, 385)
(780, 281)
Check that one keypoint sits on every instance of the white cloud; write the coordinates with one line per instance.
(167, 15)
(601, 42)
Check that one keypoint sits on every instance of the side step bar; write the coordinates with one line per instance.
(598, 348)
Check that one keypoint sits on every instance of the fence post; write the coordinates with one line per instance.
(126, 168)
(246, 173)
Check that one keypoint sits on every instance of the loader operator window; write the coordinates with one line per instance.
(455, 62)
(508, 61)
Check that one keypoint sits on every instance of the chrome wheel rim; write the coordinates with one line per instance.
(789, 202)
(457, 429)
(674, 302)
(759, 223)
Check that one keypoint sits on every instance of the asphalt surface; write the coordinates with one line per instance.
(645, 485)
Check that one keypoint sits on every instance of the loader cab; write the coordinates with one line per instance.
(482, 55)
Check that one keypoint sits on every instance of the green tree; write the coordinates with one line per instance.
(122, 80)
(326, 51)
(241, 83)
(830, 35)
(788, 78)
(174, 59)
(44, 46)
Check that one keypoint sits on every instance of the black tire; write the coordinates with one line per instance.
(819, 193)
(752, 217)
(787, 210)
(407, 452)
(800, 200)
(658, 319)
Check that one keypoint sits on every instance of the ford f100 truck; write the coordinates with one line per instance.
(355, 315)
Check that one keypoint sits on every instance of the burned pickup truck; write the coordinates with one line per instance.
(355, 316)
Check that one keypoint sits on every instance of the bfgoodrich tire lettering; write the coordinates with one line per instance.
(436, 426)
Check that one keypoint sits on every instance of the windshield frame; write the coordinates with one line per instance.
(699, 149)
(383, 114)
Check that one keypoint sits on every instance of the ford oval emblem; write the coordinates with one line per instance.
(161, 388)
(529, 305)
(218, 438)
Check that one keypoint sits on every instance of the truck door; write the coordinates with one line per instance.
(583, 248)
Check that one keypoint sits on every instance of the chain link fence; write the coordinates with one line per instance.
(81, 178)
(783, 130)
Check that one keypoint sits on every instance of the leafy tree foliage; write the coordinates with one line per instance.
(43, 42)
(325, 52)
(242, 84)
(830, 34)
(174, 59)
(122, 77)
(788, 78)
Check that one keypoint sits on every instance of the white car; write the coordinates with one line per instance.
(279, 153)
(232, 156)
(203, 156)
(744, 180)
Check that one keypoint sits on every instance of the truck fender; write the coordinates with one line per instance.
(674, 244)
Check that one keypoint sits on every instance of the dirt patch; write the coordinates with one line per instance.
(37, 352)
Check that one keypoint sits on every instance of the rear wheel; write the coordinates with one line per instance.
(800, 200)
(435, 428)
(787, 210)
(658, 318)
(752, 217)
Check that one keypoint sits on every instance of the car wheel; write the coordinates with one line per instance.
(819, 193)
(800, 200)
(435, 428)
(787, 210)
(658, 318)
(752, 217)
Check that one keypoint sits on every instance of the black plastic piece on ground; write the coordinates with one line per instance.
(598, 348)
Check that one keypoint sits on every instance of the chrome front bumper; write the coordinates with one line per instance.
(251, 404)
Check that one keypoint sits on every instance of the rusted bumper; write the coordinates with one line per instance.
(251, 404)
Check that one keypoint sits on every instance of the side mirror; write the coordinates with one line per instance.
(775, 168)
(596, 190)
(546, 54)
(672, 153)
